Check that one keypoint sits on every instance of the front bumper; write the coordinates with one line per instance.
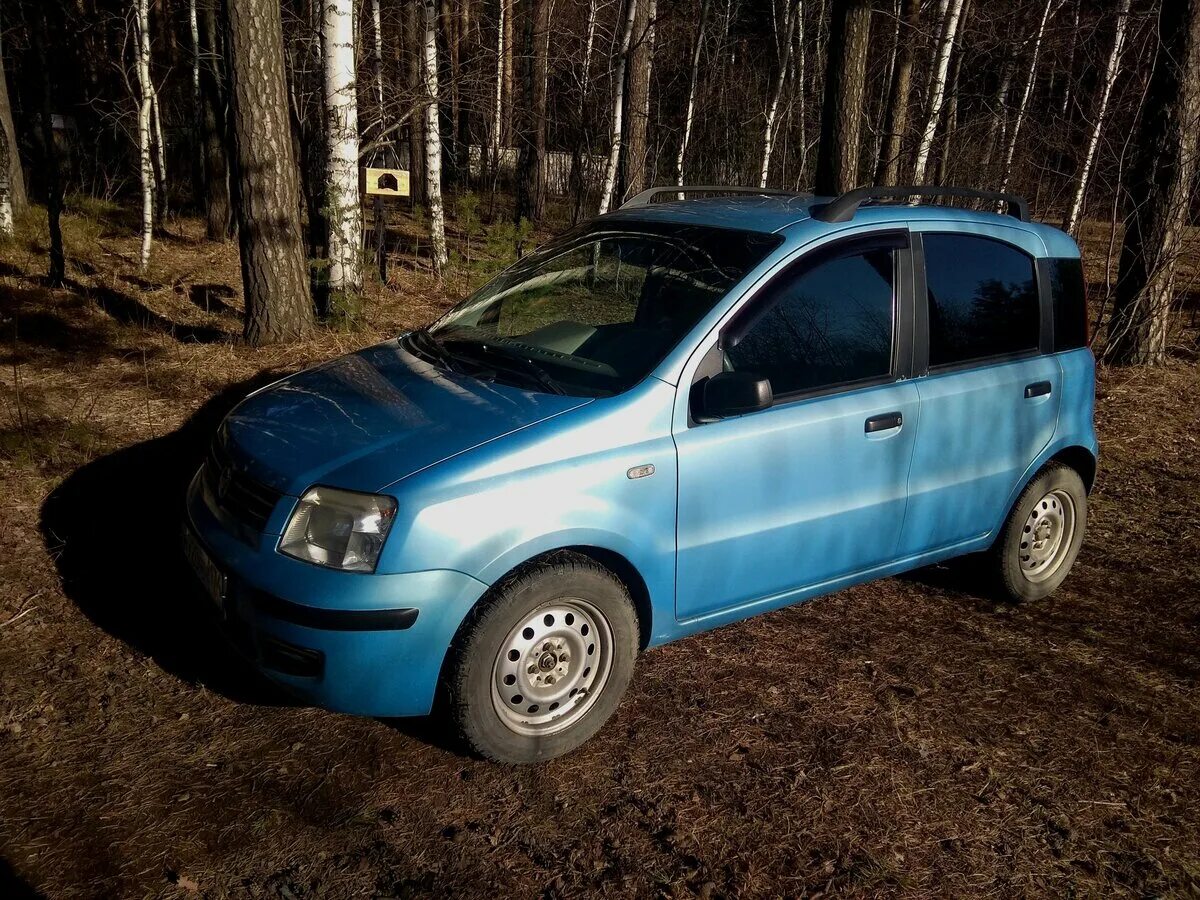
(351, 642)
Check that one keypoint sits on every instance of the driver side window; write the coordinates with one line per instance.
(825, 324)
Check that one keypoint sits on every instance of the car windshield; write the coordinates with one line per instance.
(595, 311)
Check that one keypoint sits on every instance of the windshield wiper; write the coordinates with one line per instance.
(431, 348)
(498, 353)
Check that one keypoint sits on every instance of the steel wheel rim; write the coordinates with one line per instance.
(551, 667)
(1046, 536)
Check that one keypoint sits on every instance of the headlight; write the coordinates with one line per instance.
(338, 529)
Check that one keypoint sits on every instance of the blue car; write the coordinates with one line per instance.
(676, 416)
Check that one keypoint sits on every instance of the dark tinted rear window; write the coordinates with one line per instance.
(1070, 303)
(983, 299)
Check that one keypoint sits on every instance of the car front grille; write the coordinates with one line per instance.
(245, 500)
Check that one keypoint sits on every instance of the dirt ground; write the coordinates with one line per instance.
(902, 738)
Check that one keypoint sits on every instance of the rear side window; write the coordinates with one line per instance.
(1070, 303)
(825, 324)
(983, 299)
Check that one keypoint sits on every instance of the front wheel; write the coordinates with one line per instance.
(1042, 535)
(540, 667)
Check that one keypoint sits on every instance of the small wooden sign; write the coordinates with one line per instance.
(385, 182)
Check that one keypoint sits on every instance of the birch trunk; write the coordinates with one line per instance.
(1071, 223)
(15, 175)
(784, 55)
(507, 16)
(197, 104)
(937, 92)
(7, 221)
(690, 113)
(344, 209)
(578, 180)
(377, 59)
(618, 115)
(896, 118)
(498, 100)
(433, 141)
(159, 143)
(145, 113)
(1015, 132)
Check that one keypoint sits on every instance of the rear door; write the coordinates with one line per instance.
(990, 395)
(812, 488)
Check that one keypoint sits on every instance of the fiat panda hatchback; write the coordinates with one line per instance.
(676, 416)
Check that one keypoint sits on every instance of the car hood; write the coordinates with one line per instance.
(368, 419)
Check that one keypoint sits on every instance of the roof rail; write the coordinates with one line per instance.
(645, 198)
(842, 208)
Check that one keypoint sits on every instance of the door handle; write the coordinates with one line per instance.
(1037, 389)
(883, 422)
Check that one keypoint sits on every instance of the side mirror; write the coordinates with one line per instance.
(734, 393)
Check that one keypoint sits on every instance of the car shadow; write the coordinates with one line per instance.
(13, 886)
(112, 528)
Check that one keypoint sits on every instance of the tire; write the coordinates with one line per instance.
(542, 663)
(1041, 536)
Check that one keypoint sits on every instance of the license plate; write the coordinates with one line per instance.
(210, 577)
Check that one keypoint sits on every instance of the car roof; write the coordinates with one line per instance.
(772, 214)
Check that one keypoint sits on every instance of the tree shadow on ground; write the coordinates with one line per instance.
(130, 311)
(13, 886)
(113, 530)
(213, 298)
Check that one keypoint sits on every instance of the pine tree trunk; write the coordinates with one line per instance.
(531, 163)
(1071, 222)
(344, 207)
(618, 109)
(690, 112)
(845, 89)
(937, 87)
(433, 141)
(1015, 132)
(145, 128)
(274, 275)
(1159, 185)
(641, 62)
(896, 116)
(217, 205)
(57, 272)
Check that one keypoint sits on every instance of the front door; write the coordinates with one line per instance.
(813, 488)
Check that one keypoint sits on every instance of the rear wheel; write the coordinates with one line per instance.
(1042, 535)
(544, 662)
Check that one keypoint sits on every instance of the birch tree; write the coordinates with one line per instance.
(274, 273)
(1015, 132)
(785, 22)
(343, 206)
(433, 140)
(14, 175)
(1160, 184)
(618, 109)
(690, 110)
(1071, 222)
(937, 92)
(145, 113)
(7, 220)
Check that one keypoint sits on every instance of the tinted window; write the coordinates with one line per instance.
(1070, 303)
(982, 299)
(826, 324)
(599, 308)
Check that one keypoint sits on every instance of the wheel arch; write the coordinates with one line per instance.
(1081, 459)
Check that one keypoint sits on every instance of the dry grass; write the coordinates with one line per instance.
(905, 737)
